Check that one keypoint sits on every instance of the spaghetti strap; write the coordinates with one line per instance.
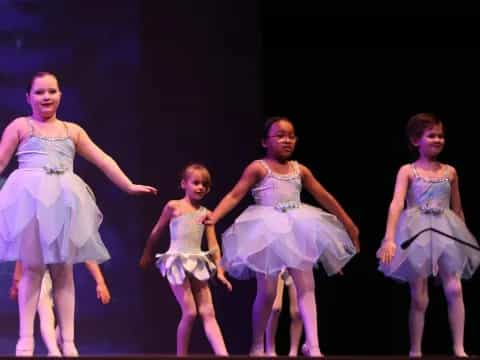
(29, 122)
(414, 170)
(66, 128)
(265, 165)
(295, 167)
(446, 172)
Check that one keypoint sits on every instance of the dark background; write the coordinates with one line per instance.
(159, 84)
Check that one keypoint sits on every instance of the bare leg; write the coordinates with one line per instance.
(452, 288)
(262, 306)
(64, 296)
(418, 307)
(47, 317)
(296, 325)
(272, 325)
(203, 298)
(184, 296)
(29, 288)
(305, 284)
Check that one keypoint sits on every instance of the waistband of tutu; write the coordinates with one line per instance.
(431, 207)
(46, 168)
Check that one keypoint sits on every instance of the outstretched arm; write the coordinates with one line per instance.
(8, 144)
(455, 196)
(216, 254)
(103, 294)
(251, 175)
(90, 151)
(387, 250)
(163, 221)
(325, 199)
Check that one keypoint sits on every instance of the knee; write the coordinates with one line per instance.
(267, 298)
(419, 302)
(453, 291)
(189, 314)
(294, 314)
(33, 272)
(206, 312)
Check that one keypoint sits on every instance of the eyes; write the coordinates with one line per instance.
(433, 135)
(284, 137)
(198, 183)
(43, 91)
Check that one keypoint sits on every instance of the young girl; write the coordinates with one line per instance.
(281, 232)
(418, 240)
(185, 265)
(45, 303)
(296, 325)
(48, 215)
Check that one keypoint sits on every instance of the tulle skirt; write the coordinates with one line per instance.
(176, 265)
(266, 240)
(432, 252)
(56, 212)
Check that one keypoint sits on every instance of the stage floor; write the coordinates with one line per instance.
(243, 357)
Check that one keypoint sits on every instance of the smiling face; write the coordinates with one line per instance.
(280, 140)
(196, 183)
(44, 96)
(431, 143)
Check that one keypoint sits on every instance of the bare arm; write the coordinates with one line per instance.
(251, 175)
(216, 254)
(162, 223)
(9, 142)
(17, 275)
(455, 196)
(103, 293)
(90, 151)
(213, 244)
(388, 247)
(324, 198)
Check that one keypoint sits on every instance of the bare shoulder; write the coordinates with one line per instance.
(304, 170)
(450, 171)
(405, 170)
(19, 127)
(20, 123)
(172, 205)
(73, 129)
(256, 169)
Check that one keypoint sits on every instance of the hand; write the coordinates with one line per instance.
(13, 292)
(223, 279)
(146, 260)
(386, 252)
(353, 232)
(208, 219)
(135, 189)
(103, 293)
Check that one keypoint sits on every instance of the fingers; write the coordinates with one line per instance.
(227, 284)
(225, 281)
(149, 189)
(356, 243)
(385, 255)
(152, 190)
(143, 189)
(106, 298)
(103, 295)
